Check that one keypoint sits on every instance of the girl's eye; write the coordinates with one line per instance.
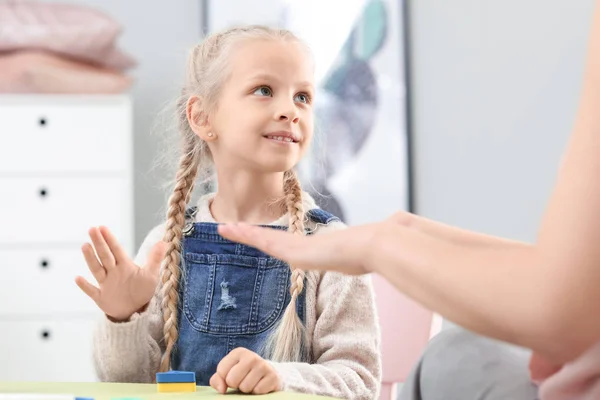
(302, 98)
(263, 91)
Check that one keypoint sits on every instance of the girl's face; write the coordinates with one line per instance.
(263, 120)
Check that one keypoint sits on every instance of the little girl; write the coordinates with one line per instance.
(192, 300)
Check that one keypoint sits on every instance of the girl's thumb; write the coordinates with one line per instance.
(156, 257)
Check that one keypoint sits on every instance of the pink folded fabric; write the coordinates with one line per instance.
(74, 31)
(35, 71)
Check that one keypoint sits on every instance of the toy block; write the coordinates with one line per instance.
(176, 387)
(176, 377)
(176, 381)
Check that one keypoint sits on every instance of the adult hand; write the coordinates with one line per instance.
(345, 250)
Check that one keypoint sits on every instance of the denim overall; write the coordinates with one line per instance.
(231, 295)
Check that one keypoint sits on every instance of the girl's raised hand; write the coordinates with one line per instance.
(123, 287)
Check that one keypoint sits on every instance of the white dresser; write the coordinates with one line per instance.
(66, 164)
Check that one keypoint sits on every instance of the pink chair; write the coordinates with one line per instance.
(406, 327)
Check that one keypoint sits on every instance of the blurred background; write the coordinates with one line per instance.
(455, 109)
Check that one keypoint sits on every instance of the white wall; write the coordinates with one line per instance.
(495, 88)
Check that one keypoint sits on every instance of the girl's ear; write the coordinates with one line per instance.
(198, 119)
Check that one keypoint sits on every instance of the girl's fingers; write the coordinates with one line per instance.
(251, 379)
(269, 383)
(92, 291)
(218, 383)
(155, 258)
(102, 250)
(93, 264)
(119, 254)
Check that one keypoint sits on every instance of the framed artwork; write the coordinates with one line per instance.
(359, 167)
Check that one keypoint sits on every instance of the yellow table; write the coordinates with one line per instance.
(109, 391)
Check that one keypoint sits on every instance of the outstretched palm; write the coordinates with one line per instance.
(123, 287)
(342, 250)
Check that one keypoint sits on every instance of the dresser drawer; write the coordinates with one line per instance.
(47, 350)
(41, 281)
(64, 134)
(61, 210)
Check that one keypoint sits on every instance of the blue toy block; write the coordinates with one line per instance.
(176, 377)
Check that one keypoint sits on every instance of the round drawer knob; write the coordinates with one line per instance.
(44, 263)
(45, 334)
(43, 121)
(43, 192)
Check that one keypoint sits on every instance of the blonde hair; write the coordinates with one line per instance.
(206, 73)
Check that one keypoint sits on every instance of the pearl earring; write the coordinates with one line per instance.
(210, 134)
